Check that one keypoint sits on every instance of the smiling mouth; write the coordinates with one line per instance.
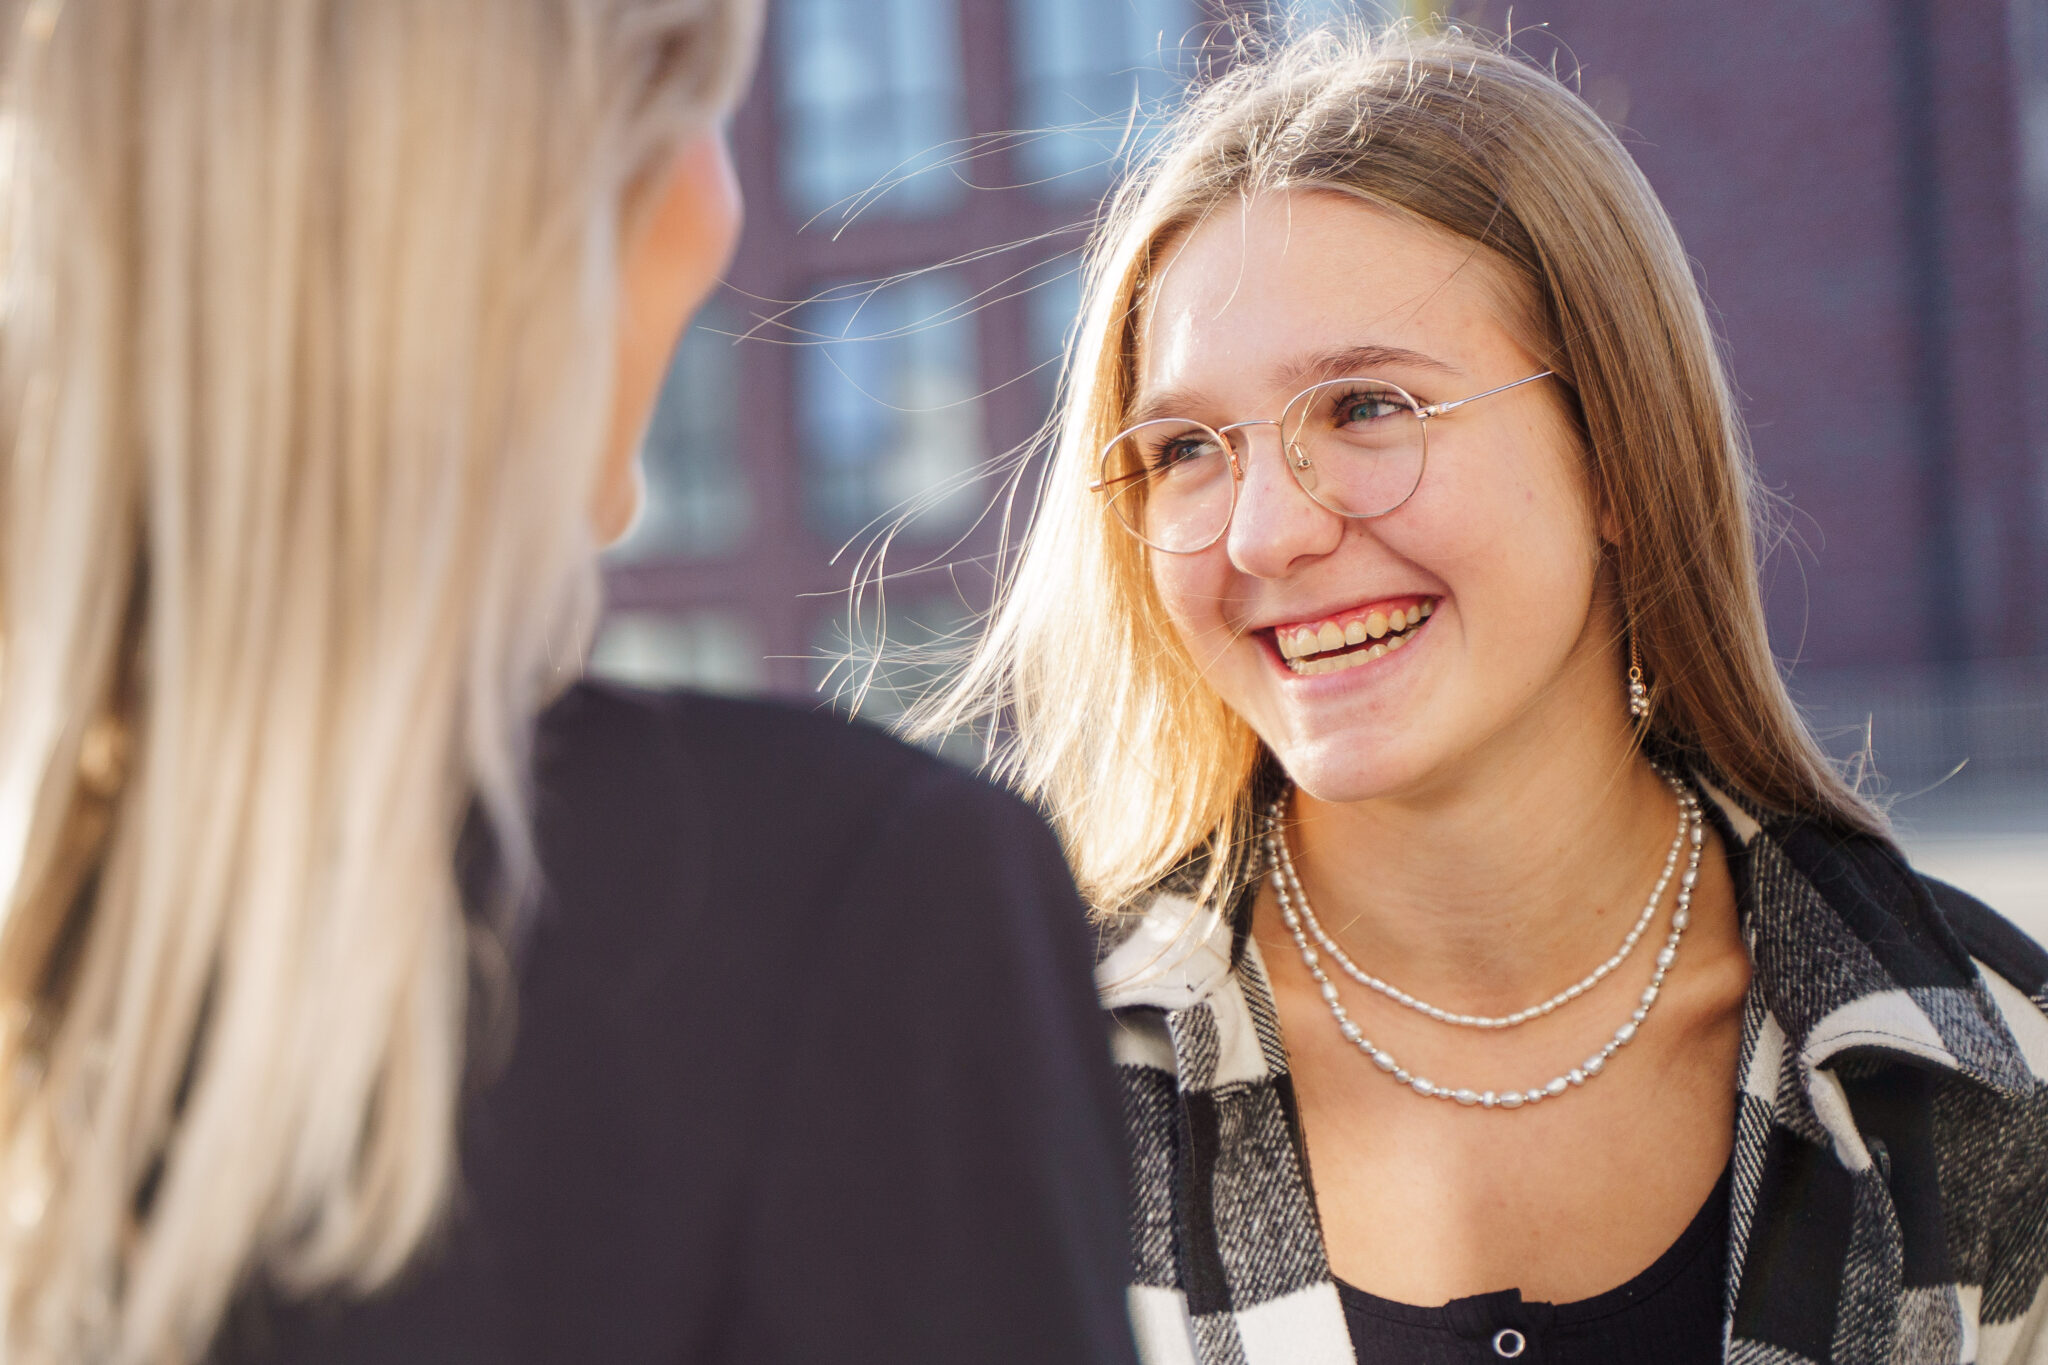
(1349, 639)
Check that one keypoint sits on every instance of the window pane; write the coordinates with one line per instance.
(903, 649)
(698, 502)
(1054, 310)
(712, 650)
(1307, 14)
(870, 94)
(887, 408)
(1082, 65)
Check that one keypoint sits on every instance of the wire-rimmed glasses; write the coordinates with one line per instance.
(1356, 446)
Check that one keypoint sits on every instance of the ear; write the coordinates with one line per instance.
(678, 240)
(1610, 526)
(1607, 518)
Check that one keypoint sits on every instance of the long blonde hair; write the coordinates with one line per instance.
(1102, 716)
(305, 375)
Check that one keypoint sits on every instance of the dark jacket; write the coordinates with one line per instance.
(1890, 1190)
(806, 1068)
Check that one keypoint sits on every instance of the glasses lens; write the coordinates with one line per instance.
(1170, 484)
(1356, 445)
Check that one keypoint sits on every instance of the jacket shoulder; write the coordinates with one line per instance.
(742, 762)
(657, 810)
(1993, 940)
(730, 737)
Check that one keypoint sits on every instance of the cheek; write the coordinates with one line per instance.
(1191, 589)
(664, 275)
(1197, 594)
(1511, 534)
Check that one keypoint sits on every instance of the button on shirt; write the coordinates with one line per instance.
(1670, 1314)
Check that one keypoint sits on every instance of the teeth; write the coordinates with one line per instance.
(1298, 646)
(1337, 663)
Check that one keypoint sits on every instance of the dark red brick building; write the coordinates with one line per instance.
(1863, 183)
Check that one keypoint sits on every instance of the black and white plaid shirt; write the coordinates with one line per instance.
(1890, 1195)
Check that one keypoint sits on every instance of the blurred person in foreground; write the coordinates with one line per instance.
(728, 1033)
(1505, 972)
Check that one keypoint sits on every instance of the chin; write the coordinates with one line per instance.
(1343, 769)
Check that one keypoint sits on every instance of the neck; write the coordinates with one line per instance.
(1500, 881)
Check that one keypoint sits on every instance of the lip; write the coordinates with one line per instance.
(1348, 614)
(1366, 668)
(1343, 616)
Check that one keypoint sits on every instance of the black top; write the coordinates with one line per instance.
(807, 1068)
(1671, 1314)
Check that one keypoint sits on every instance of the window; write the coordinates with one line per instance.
(1083, 66)
(713, 650)
(899, 650)
(887, 414)
(871, 93)
(1307, 14)
(697, 502)
(1053, 311)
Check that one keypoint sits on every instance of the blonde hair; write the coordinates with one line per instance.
(1103, 717)
(305, 376)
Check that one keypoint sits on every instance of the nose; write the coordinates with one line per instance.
(1276, 525)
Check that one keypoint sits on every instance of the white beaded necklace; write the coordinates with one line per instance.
(1290, 893)
(1536, 1011)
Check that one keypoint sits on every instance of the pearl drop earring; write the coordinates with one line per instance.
(1638, 692)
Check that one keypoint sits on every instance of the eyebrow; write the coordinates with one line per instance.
(1350, 362)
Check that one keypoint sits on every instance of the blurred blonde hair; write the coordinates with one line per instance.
(305, 374)
(1097, 710)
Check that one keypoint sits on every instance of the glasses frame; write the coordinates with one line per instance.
(1297, 460)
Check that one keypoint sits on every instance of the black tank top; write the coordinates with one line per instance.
(1668, 1315)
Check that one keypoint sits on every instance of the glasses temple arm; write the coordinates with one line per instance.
(1100, 484)
(1438, 409)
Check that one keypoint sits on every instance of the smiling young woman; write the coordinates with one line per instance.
(1499, 966)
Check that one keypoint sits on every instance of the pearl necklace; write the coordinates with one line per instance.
(1536, 1011)
(1289, 889)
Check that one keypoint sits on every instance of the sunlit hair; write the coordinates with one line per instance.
(305, 378)
(1098, 710)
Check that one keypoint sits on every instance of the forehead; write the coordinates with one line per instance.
(1244, 302)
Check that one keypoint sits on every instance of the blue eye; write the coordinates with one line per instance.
(1367, 406)
(1177, 451)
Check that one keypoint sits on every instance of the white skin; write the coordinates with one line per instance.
(677, 246)
(1472, 821)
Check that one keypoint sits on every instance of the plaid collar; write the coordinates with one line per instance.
(1851, 954)
(1861, 993)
